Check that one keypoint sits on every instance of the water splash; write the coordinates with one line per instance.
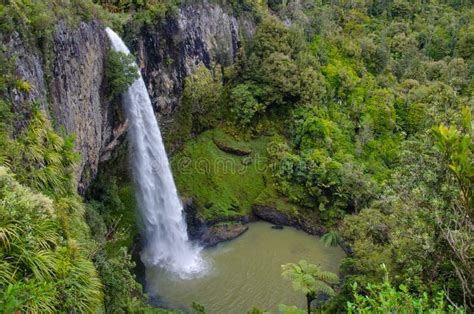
(163, 226)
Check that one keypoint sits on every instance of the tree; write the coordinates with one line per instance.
(457, 147)
(456, 223)
(244, 104)
(200, 103)
(310, 279)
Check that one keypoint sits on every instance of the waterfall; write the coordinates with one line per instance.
(163, 225)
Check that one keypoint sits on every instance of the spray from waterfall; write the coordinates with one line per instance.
(163, 225)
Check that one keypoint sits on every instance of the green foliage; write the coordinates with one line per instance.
(270, 78)
(246, 7)
(309, 279)
(198, 308)
(244, 104)
(422, 223)
(331, 239)
(120, 71)
(30, 295)
(286, 309)
(353, 91)
(384, 298)
(46, 242)
(142, 13)
(122, 291)
(457, 146)
(201, 98)
(111, 217)
(353, 109)
(41, 269)
(42, 159)
(201, 108)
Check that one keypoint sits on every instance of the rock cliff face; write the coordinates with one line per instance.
(200, 33)
(78, 103)
(73, 96)
(28, 67)
(69, 87)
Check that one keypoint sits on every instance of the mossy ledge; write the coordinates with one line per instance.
(223, 191)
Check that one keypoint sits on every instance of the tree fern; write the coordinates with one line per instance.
(310, 279)
(331, 239)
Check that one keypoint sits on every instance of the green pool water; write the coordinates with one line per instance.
(245, 272)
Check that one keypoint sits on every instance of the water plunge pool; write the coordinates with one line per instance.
(245, 272)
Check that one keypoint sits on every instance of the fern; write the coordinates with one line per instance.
(44, 160)
(310, 279)
(43, 264)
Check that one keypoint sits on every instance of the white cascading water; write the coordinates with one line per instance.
(164, 228)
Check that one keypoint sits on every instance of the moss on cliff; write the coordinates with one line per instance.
(222, 184)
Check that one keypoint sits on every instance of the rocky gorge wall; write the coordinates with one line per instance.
(70, 85)
(200, 33)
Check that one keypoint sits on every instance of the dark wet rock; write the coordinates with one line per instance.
(223, 232)
(213, 231)
(28, 68)
(140, 268)
(231, 149)
(79, 104)
(278, 217)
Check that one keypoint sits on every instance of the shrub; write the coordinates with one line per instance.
(385, 298)
(120, 72)
(41, 268)
(244, 104)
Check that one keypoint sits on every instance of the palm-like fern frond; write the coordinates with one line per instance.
(331, 239)
(309, 278)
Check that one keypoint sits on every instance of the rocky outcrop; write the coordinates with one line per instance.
(278, 217)
(200, 33)
(223, 232)
(29, 69)
(73, 96)
(77, 89)
(214, 231)
(225, 147)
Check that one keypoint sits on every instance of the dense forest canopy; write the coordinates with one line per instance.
(368, 105)
(371, 104)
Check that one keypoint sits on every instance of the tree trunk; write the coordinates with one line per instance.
(308, 302)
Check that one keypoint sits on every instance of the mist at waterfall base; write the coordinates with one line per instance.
(246, 273)
(166, 242)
